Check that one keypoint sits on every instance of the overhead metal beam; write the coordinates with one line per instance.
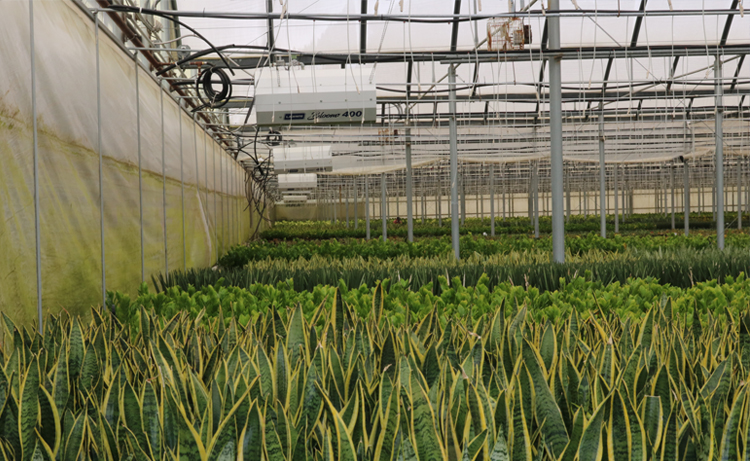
(363, 30)
(454, 30)
(737, 73)
(728, 24)
(638, 22)
(586, 53)
(271, 39)
(672, 72)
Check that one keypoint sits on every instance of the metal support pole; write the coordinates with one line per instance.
(463, 197)
(99, 147)
(182, 185)
(367, 208)
(719, 154)
(140, 170)
(453, 160)
(556, 148)
(440, 199)
(671, 186)
(356, 203)
(424, 205)
(617, 203)
(567, 185)
(384, 207)
(492, 200)
(739, 193)
(409, 183)
(347, 208)
(505, 185)
(535, 202)
(35, 138)
(686, 196)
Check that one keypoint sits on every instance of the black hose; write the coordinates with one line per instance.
(131, 9)
(215, 99)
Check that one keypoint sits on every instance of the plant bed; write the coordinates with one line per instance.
(502, 386)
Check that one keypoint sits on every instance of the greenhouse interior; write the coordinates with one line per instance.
(375, 230)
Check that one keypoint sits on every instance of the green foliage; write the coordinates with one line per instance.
(676, 267)
(333, 384)
(321, 230)
(441, 246)
(456, 300)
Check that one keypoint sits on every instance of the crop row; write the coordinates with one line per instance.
(321, 230)
(290, 386)
(404, 305)
(677, 267)
(439, 246)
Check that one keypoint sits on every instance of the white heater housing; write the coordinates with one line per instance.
(305, 159)
(296, 95)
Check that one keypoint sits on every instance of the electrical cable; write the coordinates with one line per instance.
(173, 18)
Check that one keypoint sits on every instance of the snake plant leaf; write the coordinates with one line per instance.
(546, 408)
(190, 444)
(497, 330)
(150, 419)
(130, 408)
(575, 438)
(729, 441)
(295, 340)
(89, 370)
(9, 426)
(223, 446)
(266, 374)
(346, 449)
(74, 441)
(548, 348)
(619, 436)
(282, 375)
(75, 355)
(61, 384)
(389, 420)
(251, 437)
(521, 447)
(474, 447)
(590, 446)
(646, 333)
(653, 420)
(28, 410)
(669, 450)
(50, 420)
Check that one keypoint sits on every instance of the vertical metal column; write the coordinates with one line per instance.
(617, 204)
(409, 182)
(556, 150)
(35, 138)
(505, 185)
(356, 203)
(719, 154)
(463, 195)
(216, 209)
(492, 199)
(671, 186)
(333, 205)
(182, 186)
(440, 199)
(347, 208)
(453, 160)
(535, 202)
(739, 193)
(163, 182)
(686, 196)
(384, 207)
(100, 148)
(567, 186)
(367, 208)
(140, 170)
